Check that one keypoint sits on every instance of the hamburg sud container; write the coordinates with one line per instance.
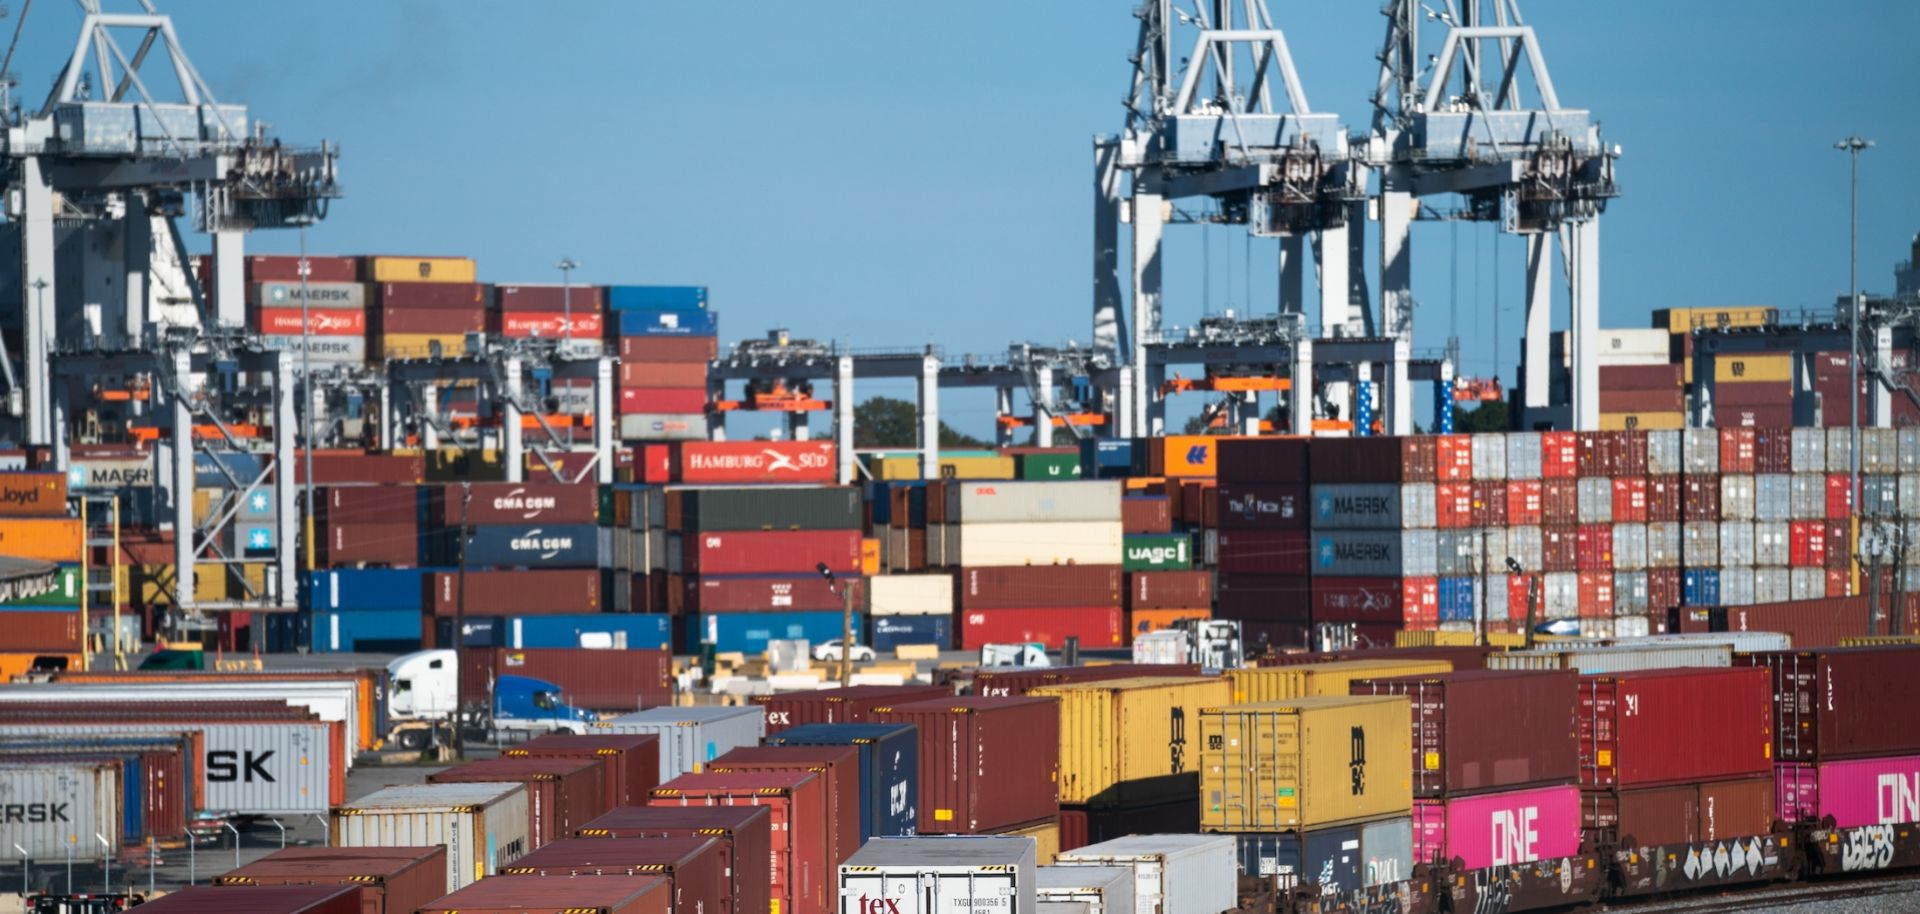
(1320, 680)
(483, 826)
(562, 794)
(48, 802)
(1665, 726)
(1334, 858)
(1173, 874)
(940, 875)
(265, 899)
(1481, 730)
(800, 862)
(889, 771)
(1507, 828)
(844, 705)
(696, 866)
(1870, 791)
(553, 894)
(691, 737)
(394, 880)
(985, 763)
(1832, 704)
(632, 767)
(744, 833)
(1103, 889)
(839, 770)
(1304, 763)
(1131, 741)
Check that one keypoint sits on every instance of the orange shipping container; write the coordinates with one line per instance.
(1185, 455)
(1453, 455)
(869, 556)
(33, 494)
(47, 539)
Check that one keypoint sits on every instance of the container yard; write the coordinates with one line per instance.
(392, 583)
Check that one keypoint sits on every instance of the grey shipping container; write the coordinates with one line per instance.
(1594, 500)
(765, 508)
(1490, 456)
(1663, 452)
(1629, 547)
(257, 768)
(1736, 497)
(1523, 455)
(1773, 497)
(1809, 450)
(1736, 586)
(1663, 545)
(940, 875)
(1771, 544)
(1103, 889)
(1736, 543)
(482, 824)
(1591, 661)
(1173, 874)
(1373, 506)
(692, 737)
(54, 808)
(1374, 553)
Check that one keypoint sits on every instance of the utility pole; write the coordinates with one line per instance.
(460, 628)
(1853, 146)
(846, 623)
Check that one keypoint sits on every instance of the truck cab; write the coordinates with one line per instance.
(422, 688)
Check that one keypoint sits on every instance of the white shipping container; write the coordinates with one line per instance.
(663, 427)
(1740, 642)
(1736, 586)
(1173, 874)
(332, 701)
(1771, 545)
(1631, 626)
(1560, 594)
(483, 824)
(1909, 493)
(1069, 543)
(1700, 544)
(1879, 496)
(1490, 457)
(1629, 592)
(1879, 450)
(1592, 661)
(1490, 596)
(1523, 455)
(1909, 448)
(1663, 544)
(54, 808)
(1736, 545)
(1773, 496)
(260, 768)
(1629, 547)
(1700, 450)
(1809, 495)
(910, 595)
(1736, 497)
(1809, 450)
(1839, 450)
(1809, 583)
(1007, 502)
(1523, 544)
(1466, 552)
(1663, 452)
(1594, 497)
(331, 350)
(691, 737)
(962, 874)
(1104, 889)
(1772, 585)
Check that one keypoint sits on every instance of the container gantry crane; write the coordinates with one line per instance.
(1460, 123)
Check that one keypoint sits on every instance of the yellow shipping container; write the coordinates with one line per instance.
(1645, 422)
(422, 269)
(1454, 639)
(49, 539)
(417, 345)
(1681, 320)
(1875, 640)
(1776, 368)
(1046, 840)
(1309, 680)
(1125, 741)
(907, 466)
(869, 556)
(1305, 763)
(155, 584)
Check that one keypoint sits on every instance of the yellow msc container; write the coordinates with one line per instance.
(1046, 840)
(1305, 763)
(1279, 683)
(422, 269)
(1682, 320)
(1776, 368)
(1127, 741)
(417, 345)
(976, 468)
(1644, 422)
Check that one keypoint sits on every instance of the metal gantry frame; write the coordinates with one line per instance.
(503, 375)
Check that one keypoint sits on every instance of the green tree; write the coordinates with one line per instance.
(1488, 416)
(882, 422)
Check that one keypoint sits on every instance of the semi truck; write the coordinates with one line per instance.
(423, 703)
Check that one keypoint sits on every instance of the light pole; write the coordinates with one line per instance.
(306, 395)
(566, 267)
(846, 623)
(1853, 146)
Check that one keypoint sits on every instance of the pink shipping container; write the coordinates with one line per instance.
(1873, 791)
(1498, 829)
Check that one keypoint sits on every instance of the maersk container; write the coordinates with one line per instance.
(998, 502)
(1594, 661)
(1173, 874)
(483, 825)
(50, 804)
(910, 594)
(940, 875)
(1374, 553)
(617, 631)
(265, 768)
(1336, 859)
(890, 632)
(377, 631)
(1373, 506)
(1102, 889)
(360, 589)
(532, 546)
(749, 632)
(692, 737)
(889, 771)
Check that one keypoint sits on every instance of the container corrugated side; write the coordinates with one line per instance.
(1304, 763)
(50, 805)
(1173, 874)
(482, 825)
(1067, 543)
(1318, 680)
(691, 737)
(910, 594)
(1089, 500)
(940, 875)
(1601, 660)
(1104, 889)
(1131, 741)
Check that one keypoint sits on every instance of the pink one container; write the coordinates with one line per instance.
(1498, 829)
(1868, 791)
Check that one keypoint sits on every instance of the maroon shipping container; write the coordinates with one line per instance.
(632, 767)
(1682, 813)
(745, 834)
(514, 503)
(1463, 657)
(1170, 589)
(598, 679)
(1490, 503)
(1701, 500)
(374, 544)
(555, 299)
(837, 766)
(985, 763)
(286, 268)
(1261, 506)
(1630, 453)
(800, 874)
(1638, 377)
(1597, 454)
(1017, 682)
(696, 867)
(1773, 450)
(1560, 548)
(709, 593)
(1593, 547)
(845, 705)
(1834, 704)
(1666, 726)
(1409, 458)
(1758, 394)
(1560, 501)
(765, 552)
(375, 504)
(562, 793)
(1264, 552)
(1663, 590)
(54, 631)
(1081, 826)
(1145, 514)
(393, 880)
(663, 374)
(337, 466)
(432, 295)
(518, 593)
(1263, 460)
(435, 321)
(1348, 599)
(1663, 499)
(1036, 586)
(559, 895)
(1487, 730)
(1810, 623)
(1755, 416)
(262, 899)
(1263, 597)
(670, 348)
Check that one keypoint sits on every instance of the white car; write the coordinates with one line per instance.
(831, 651)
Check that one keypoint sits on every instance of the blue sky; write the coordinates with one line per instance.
(905, 173)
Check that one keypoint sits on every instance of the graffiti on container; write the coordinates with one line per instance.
(900, 803)
(1869, 848)
(1721, 859)
(1358, 764)
(1491, 895)
(1177, 739)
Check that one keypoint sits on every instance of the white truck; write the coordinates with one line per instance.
(422, 700)
(1027, 655)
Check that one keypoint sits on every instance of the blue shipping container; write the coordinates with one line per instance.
(533, 545)
(630, 631)
(1700, 587)
(357, 589)
(890, 632)
(656, 298)
(669, 323)
(750, 632)
(889, 771)
(387, 631)
(1456, 600)
(1327, 856)
(481, 631)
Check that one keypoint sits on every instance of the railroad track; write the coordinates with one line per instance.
(1779, 897)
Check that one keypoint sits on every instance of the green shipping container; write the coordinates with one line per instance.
(1048, 466)
(66, 591)
(1159, 552)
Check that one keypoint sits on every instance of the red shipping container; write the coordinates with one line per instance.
(1839, 496)
(545, 325)
(669, 348)
(264, 899)
(1832, 704)
(1640, 377)
(1593, 549)
(1483, 730)
(514, 503)
(562, 793)
(367, 504)
(598, 679)
(340, 466)
(1739, 396)
(766, 552)
(1420, 600)
(1809, 623)
(1595, 594)
(745, 832)
(1559, 548)
(1009, 587)
(1097, 627)
(437, 321)
(1670, 400)
(558, 299)
(1671, 726)
(753, 461)
(845, 705)
(1264, 552)
(1701, 500)
(1453, 458)
(286, 268)
(1517, 586)
(1807, 544)
(663, 374)
(632, 767)
(1736, 450)
(800, 871)
(682, 400)
(1839, 582)
(1559, 455)
(1453, 505)
(758, 593)
(1560, 501)
(559, 894)
(1663, 590)
(985, 763)
(1138, 514)
(1524, 503)
(696, 867)
(517, 593)
(1630, 500)
(1663, 494)
(392, 880)
(1757, 416)
(456, 296)
(1006, 681)
(1169, 589)
(838, 766)
(1382, 600)
(1260, 506)
(318, 321)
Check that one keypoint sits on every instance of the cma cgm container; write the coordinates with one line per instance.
(744, 833)
(512, 503)
(530, 545)
(393, 880)
(691, 737)
(1304, 763)
(1482, 730)
(985, 763)
(559, 895)
(844, 705)
(695, 866)
(1871, 791)
(1666, 726)
(800, 862)
(939, 875)
(632, 767)
(889, 771)
(1131, 741)
(562, 794)
(1832, 704)
(1173, 874)
(1498, 829)
(483, 825)
(265, 899)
